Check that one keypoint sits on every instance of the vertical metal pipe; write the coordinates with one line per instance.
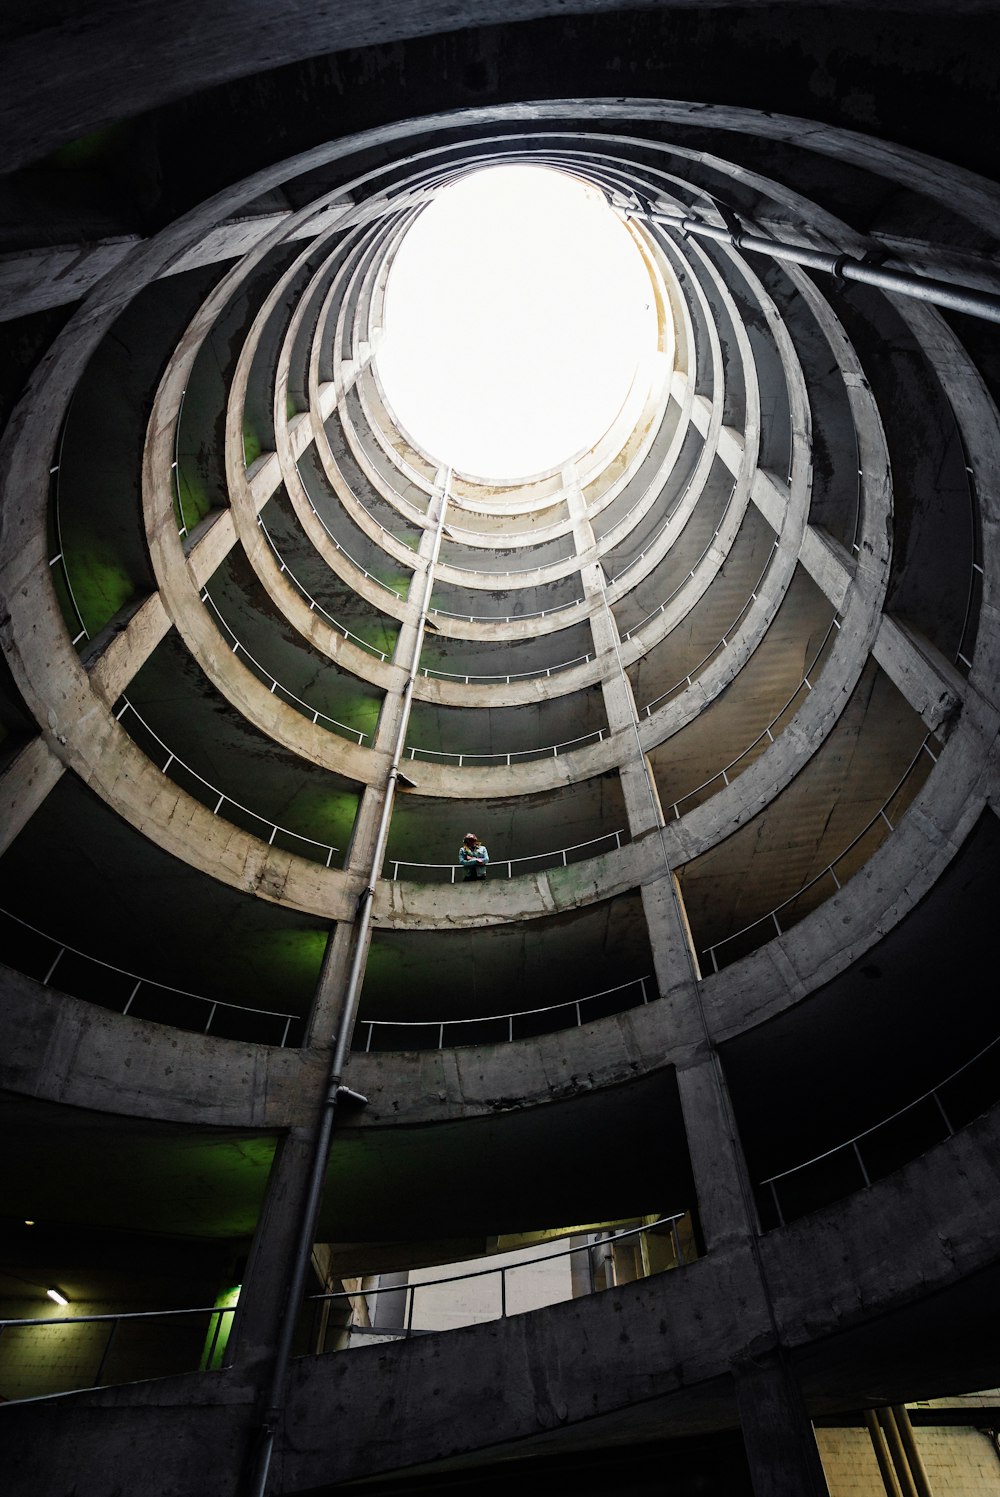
(104, 1354)
(261, 1461)
(881, 1454)
(913, 1456)
(907, 1486)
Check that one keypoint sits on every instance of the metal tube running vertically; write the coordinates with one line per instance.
(261, 1461)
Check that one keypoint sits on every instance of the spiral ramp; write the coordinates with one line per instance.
(720, 694)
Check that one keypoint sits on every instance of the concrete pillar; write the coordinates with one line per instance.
(780, 1444)
(642, 804)
(263, 1295)
(24, 784)
(725, 1208)
(725, 1205)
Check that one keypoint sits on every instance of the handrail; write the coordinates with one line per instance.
(509, 618)
(54, 478)
(880, 814)
(555, 749)
(151, 982)
(343, 549)
(654, 538)
(315, 713)
(314, 606)
(217, 1312)
(960, 658)
(767, 733)
(854, 1141)
(722, 644)
(206, 1358)
(117, 1316)
(398, 863)
(442, 1024)
(182, 528)
(411, 1289)
(684, 580)
(222, 797)
(474, 678)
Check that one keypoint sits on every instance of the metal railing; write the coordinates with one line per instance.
(770, 924)
(508, 758)
(973, 601)
(283, 1021)
(684, 580)
(314, 606)
(768, 733)
(175, 467)
(664, 1226)
(656, 536)
(722, 644)
(509, 863)
(343, 549)
(509, 618)
(851, 1147)
(221, 798)
(475, 678)
(274, 684)
(59, 559)
(184, 1362)
(181, 1359)
(443, 1026)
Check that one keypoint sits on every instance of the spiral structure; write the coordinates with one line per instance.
(719, 693)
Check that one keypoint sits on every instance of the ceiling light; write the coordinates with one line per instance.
(58, 1296)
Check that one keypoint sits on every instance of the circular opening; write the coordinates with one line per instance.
(517, 312)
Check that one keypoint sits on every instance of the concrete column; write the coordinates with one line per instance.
(780, 1444)
(642, 804)
(263, 1296)
(717, 1163)
(724, 1201)
(24, 784)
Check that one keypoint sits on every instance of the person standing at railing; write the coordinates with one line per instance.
(473, 857)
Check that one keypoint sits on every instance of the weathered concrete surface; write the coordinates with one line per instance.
(638, 1362)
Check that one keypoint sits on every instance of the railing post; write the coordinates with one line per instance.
(104, 1354)
(944, 1115)
(503, 1294)
(211, 1016)
(777, 1203)
(861, 1162)
(48, 975)
(411, 1290)
(217, 1317)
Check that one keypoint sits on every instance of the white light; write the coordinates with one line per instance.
(60, 1299)
(517, 310)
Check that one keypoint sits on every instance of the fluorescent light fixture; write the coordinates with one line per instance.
(59, 1297)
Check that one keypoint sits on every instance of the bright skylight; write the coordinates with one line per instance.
(517, 310)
